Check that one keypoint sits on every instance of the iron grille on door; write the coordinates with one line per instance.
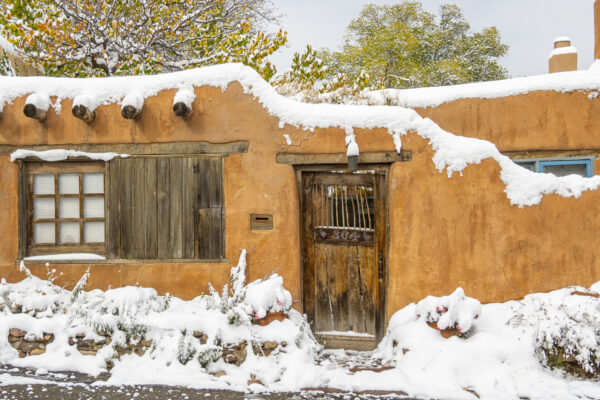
(343, 213)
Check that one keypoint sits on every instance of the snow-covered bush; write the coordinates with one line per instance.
(34, 296)
(243, 302)
(131, 328)
(455, 311)
(264, 296)
(567, 329)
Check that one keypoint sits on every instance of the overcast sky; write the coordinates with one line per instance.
(527, 26)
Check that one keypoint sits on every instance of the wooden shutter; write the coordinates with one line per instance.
(165, 208)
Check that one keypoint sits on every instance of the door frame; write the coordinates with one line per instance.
(382, 189)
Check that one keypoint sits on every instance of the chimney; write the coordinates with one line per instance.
(597, 29)
(564, 56)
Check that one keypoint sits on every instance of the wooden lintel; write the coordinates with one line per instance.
(523, 154)
(182, 148)
(383, 157)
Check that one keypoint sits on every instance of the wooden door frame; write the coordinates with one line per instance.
(382, 188)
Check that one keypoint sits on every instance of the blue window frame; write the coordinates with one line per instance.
(583, 166)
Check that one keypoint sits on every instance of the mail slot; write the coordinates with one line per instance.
(261, 222)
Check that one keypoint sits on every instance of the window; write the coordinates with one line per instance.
(137, 208)
(165, 208)
(583, 166)
(65, 208)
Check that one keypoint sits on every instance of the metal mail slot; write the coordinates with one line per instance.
(261, 222)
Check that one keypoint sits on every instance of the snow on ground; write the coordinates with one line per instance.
(501, 357)
(452, 153)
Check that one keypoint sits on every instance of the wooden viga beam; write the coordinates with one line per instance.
(182, 110)
(182, 103)
(132, 106)
(36, 106)
(82, 109)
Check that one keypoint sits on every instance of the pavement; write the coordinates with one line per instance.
(71, 386)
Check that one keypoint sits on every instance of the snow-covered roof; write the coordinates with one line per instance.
(452, 153)
(434, 96)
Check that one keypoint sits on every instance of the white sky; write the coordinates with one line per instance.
(527, 26)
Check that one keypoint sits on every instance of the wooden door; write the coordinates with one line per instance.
(344, 231)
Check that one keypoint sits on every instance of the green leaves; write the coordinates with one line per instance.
(124, 37)
(403, 46)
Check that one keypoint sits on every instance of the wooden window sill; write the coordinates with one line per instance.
(101, 262)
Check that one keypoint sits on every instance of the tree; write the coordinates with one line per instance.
(307, 79)
(119, 37)
(5, 65)
(403, 46)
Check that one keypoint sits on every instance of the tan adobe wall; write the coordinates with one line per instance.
(446, 232)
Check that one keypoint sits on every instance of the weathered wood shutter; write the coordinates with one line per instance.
(165, 208)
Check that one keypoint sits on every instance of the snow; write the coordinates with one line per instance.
(61, 154)
(452, 153)
(352, 149)
(185, 95)
(66, 256)
(562, 50)
(267, 295)
(135, 99)
(86, 101)
(562, 39)
(455, 311)
(346, 333)
(502, 357)
(41, 101)
(7, 46)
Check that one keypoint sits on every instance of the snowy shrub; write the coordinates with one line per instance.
(455, 311)
(567, 330)
(33, 296)
(131, 328)
(254, 300)
(264, 296)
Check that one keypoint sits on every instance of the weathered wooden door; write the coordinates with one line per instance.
(344, 217)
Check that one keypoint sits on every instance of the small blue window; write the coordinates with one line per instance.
(560, 167)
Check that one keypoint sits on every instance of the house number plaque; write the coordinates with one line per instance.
(344, 236)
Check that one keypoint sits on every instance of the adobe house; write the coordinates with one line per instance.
(165, 178)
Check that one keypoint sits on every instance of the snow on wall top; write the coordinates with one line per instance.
(562, 50)
(434, 96)
(562, 39)
(452, 153)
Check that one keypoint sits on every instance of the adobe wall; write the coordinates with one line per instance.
(541, 120)
(446, 232)
(254, 184)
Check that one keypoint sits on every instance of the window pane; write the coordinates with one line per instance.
(530, 165)
(93, 183)
(43, 233)
(93, 207)
(93, 232)
(68, 183)
(566, 169)
(68, 232)
(43, 184)
(68, 208)
(43, 208)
